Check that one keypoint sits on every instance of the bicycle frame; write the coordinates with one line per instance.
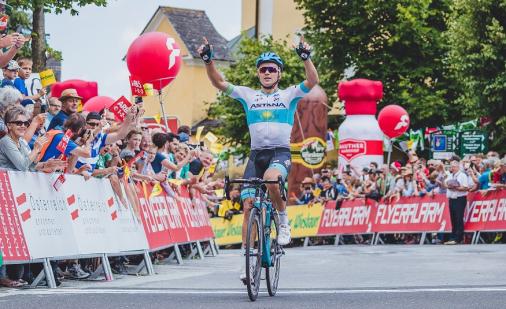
(265, 206)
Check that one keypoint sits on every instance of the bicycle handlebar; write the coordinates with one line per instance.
(255, 182)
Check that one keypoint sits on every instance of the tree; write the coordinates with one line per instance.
(38, 9)
(399, 42)
(233, 128)
(477, 57)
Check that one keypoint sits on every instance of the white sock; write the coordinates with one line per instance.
(283, 217)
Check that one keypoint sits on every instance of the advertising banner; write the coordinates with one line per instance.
(45, 215)
(485, 212)
(196, 216)
(353, 217)
(413, 214)
(12, 239)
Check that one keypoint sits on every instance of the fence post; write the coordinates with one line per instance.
(336, 242)
(422, 239)
(473, 240)
(306, 241)
(107, 268)
(199, 249)
(179, 258)
(48, 271)
(215, 246)
(149, 265)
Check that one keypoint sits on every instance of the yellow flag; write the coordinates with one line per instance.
(199, 133)
(47, 78)
(219, 193)
(211, 137)
(158, 118)
(212, 168)
(148, 88)
(157, 190)
(80, 106)
(317, 192)
(177, 182)
(216, 148)
(126, 171)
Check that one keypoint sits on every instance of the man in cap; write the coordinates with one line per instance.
(70, 101)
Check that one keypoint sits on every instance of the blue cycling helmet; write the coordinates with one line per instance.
(269, 57)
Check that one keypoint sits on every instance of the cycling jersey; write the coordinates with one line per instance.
(269, 116)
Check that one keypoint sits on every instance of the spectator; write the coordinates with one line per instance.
(317, 181)
(307, 195)
(54, 107)
(13, 42)
(457, 192)
(70, 100)
(329, 192)
(25, 70)
(184, 133)
(499, 175)
(8, 97)
(133, 142)
(10, 72)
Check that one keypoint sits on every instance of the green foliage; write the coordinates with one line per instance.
(55, 6)
(234, 129)
(399, 42)
(477, 37)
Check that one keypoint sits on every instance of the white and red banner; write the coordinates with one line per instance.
(12, 240)
(85, 217)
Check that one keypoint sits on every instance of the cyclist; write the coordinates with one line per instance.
(270, 114)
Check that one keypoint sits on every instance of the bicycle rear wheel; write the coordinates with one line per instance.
(272, 272)
(254, 243)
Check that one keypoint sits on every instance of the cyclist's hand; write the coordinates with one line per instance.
(206, 51)
(303, 49)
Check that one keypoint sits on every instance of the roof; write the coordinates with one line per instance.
(233, 45)
(191, 26)
(206, 123)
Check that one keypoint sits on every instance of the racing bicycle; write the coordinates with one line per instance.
(262, 248)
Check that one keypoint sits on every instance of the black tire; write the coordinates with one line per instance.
(253, 242)
(272, 273)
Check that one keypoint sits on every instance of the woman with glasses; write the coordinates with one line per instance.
(15, 154)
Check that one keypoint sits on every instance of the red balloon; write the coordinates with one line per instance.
(85, 89)
(97, 104)
(155, 58)
(393, 120)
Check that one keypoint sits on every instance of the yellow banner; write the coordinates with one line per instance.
(199, 133)
(211, 137)
(47, 78)
(304, 222)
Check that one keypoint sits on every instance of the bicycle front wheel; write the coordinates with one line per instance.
(254, 243)
(272, 272)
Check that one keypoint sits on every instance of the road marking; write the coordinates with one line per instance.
(62, 291)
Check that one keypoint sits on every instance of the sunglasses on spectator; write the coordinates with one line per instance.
(144, 128)
(263, 70)
(93, 124)
(21, 123)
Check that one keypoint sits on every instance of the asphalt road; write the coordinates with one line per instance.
(315, 277)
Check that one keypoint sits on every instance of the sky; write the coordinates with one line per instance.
(94, 42)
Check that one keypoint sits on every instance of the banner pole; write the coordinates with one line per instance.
(163, 109)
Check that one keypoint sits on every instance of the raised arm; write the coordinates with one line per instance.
(206, 53)
(304, 52)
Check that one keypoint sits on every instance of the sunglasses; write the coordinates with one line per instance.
(55, 105)
(263, 70)
(144, 128)
(93, 124)
(21, 123)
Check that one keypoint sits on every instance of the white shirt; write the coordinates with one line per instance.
(462, 180)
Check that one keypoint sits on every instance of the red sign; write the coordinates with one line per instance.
(12, 240)
(351, 148)
(120, 108)
(3, 22)
(136, 86)
(486, 212)
(62, 145)
(59, 182)
(413, 214)
(354, 217)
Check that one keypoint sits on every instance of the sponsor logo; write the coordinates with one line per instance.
(268, 105)
(310, 153)
(350, 149)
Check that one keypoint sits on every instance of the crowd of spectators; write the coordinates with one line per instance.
(124, 152)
